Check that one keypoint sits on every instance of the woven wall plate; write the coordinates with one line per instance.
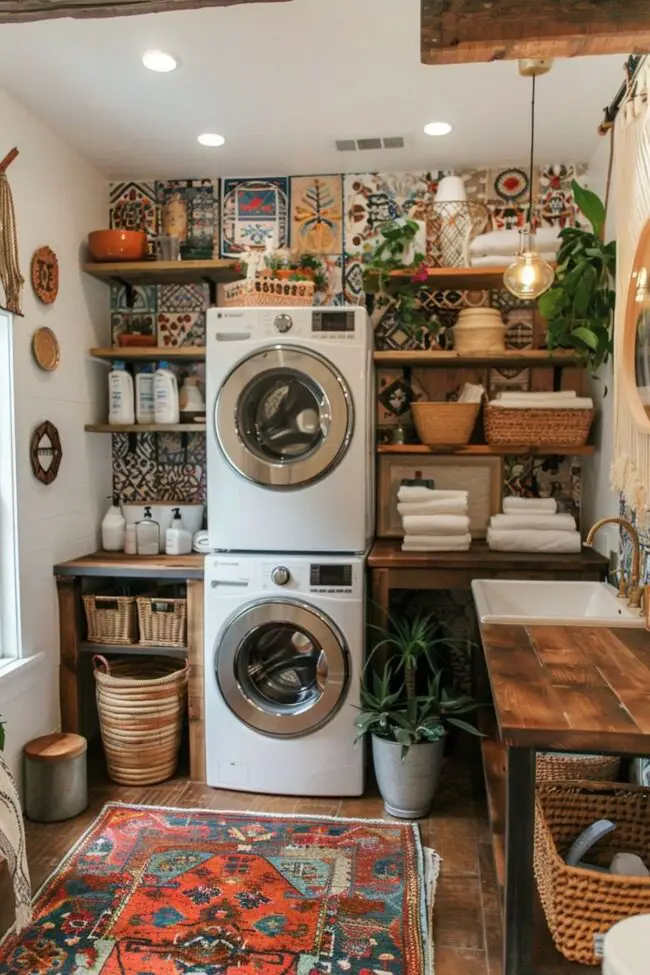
(45, 275)
(45, 452)
(45, 349)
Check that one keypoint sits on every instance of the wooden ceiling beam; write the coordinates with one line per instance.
(20, 11)
(458, 31)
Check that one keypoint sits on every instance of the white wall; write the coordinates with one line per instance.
(58, 198)
(598, 499)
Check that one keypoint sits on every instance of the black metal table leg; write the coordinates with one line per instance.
(520, 827)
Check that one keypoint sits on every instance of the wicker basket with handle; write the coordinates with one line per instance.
(445, 424)
(560, 766)
(537, 427)
(267, 291)
(110, 619)
(582, 905)
(163, 622)
(141, 703)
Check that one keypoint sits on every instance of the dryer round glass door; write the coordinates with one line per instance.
(282, 667)
(284, 417)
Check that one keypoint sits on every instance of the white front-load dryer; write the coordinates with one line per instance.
(284, 648)
(290, 436)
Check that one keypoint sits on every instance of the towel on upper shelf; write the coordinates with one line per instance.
(508, 242)
(410, 493)
(533, 519)
(436, 524)
(559, 395)
(436, 543)
(449, 506)
(521, 402)
(516, 505)
(534, 540)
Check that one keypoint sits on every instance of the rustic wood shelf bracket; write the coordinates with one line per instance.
(212, 290)
(129, 290)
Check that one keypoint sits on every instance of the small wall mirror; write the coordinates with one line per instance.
(635, 371)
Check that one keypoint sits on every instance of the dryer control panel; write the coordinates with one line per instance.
(331, 323)
(329, 575)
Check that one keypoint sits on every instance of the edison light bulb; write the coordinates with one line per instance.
(529, 276)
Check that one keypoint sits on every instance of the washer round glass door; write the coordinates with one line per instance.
(282, 667)
(284, 417)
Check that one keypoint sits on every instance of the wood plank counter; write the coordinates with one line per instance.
(558, 688)
(120, 566)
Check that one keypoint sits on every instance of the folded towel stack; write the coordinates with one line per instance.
(434, 521)
(533, 525)
(499, 247)
(564, 400)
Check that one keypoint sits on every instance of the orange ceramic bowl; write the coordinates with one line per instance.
(117, 245)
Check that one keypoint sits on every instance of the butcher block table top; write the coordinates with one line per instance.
(575, 688)
(121, 566)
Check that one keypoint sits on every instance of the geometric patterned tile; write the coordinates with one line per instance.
(254, 212)
(144, 310)
(189, 210)
(396, 397)
(547, 477)
(151, 467)
(183, 297)
(317, 214)
(181, 328)
(133, 206)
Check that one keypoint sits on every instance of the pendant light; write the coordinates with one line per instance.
(530, 275)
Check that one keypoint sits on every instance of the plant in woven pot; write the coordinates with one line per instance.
(580, 304)
(407, 706)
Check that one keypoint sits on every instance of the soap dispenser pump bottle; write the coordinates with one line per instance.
(178, 541)
(113, 528)
(147, 533)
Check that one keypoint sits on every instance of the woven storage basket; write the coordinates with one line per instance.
(110, 619)
(561, 428)
(267, 291)
(445, 424)
(141, 704)
(582, 905)
(558, 767)
(163, 622)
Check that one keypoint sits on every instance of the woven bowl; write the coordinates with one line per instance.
(445, 424)
(117, 245)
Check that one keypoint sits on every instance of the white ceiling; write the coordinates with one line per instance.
(282, 81)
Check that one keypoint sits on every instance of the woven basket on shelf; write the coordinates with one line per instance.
(445, 424)
(110, 619)
(539, 427)
(560, 766)
(267, 291)
(582, 905)
(140, 703)
(163, 622)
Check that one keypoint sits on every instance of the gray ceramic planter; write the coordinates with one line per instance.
(407, 787)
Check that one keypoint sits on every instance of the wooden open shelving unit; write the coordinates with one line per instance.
(487, 450)
(145, 428)
(166, 272)
(443, 278)
(151, 353)
(447, 358)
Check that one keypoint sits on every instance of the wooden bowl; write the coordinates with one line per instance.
(117, 245)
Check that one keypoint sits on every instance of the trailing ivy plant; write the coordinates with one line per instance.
(580, 304)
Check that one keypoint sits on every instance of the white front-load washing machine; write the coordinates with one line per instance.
(290, 438)
(284, 647)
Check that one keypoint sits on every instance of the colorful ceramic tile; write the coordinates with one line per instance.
(133, 206)
(151, 467)
(254, 212)
(395, 396)
(317, 214)
(180, 328)
(353, 280)
(183, 297)
(519, 324)
(144, 309)
(189, 210)
(373, 199)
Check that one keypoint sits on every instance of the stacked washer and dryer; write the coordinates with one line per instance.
(290, 495)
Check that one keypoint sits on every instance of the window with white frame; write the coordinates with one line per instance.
(9, 578)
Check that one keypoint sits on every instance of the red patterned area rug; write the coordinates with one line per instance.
(158, 891)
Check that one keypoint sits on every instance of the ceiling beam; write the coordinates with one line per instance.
(19, 11)
(458, 31)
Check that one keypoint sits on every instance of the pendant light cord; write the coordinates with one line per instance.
(532, 159)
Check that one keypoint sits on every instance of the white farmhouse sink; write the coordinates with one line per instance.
(552, 603)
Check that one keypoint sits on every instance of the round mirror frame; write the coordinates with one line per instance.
(627, 373)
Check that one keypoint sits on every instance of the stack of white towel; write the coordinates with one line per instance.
(566, 399)
(434, 521)
(533, 525)
(499, 247)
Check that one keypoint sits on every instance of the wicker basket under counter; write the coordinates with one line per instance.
(162, 621)
(582, 905)
(110, 619)
(562, 766)
(538, 427)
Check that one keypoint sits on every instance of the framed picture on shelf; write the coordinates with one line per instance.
(480, 476)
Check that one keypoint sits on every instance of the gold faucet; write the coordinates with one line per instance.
(633, 590)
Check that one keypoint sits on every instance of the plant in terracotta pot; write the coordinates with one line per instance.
(407, 706)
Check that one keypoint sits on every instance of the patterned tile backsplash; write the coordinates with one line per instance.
(339, 218)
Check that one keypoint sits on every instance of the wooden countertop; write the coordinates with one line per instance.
(574, 688)
(386, 553)
(121, 566)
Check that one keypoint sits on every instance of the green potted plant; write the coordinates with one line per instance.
(407, 706)
(579, 305)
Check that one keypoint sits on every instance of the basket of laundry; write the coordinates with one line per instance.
(141, 706)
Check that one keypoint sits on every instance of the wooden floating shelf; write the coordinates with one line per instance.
(133, 273)
(485, 450)
(444, 278)
(145, 428)
(452, 360)
(129, 649)
(150, 353)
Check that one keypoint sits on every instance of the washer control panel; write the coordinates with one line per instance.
(280, 575)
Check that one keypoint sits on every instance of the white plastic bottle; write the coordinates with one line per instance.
(177, 540)
(120, 395)
(165, 388)
(130, 540)
(144, 399)
(113, 528)
(147, 532)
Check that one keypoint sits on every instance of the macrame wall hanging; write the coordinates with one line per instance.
(10, 277)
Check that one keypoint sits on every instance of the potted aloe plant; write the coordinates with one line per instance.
(407, 706)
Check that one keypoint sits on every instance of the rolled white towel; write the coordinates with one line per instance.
(503, 260)
(532, 519)
(507, 242)
(516, 506)
(534, 540)
(522, 403)
(561, 394)
(450, 506)
(436, 524)
(410, 493)
(436, 543)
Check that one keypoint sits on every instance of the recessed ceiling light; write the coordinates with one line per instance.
(211, 139)
(159, 61)
(437, 128)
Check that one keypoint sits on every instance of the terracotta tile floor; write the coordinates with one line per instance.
(467, 921)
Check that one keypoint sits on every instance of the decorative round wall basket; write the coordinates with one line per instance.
(45, 349)
(45, 452)
(45, 275)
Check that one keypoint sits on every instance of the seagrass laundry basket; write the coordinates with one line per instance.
(563, 766)
(141, 704)
(162, 621)
(110, 619)
(582, 905)
(445, 424)
(537, 427)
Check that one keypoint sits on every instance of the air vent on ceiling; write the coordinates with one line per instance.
(395, 142)
(368, 144)
(346, 145)
(351, 145)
